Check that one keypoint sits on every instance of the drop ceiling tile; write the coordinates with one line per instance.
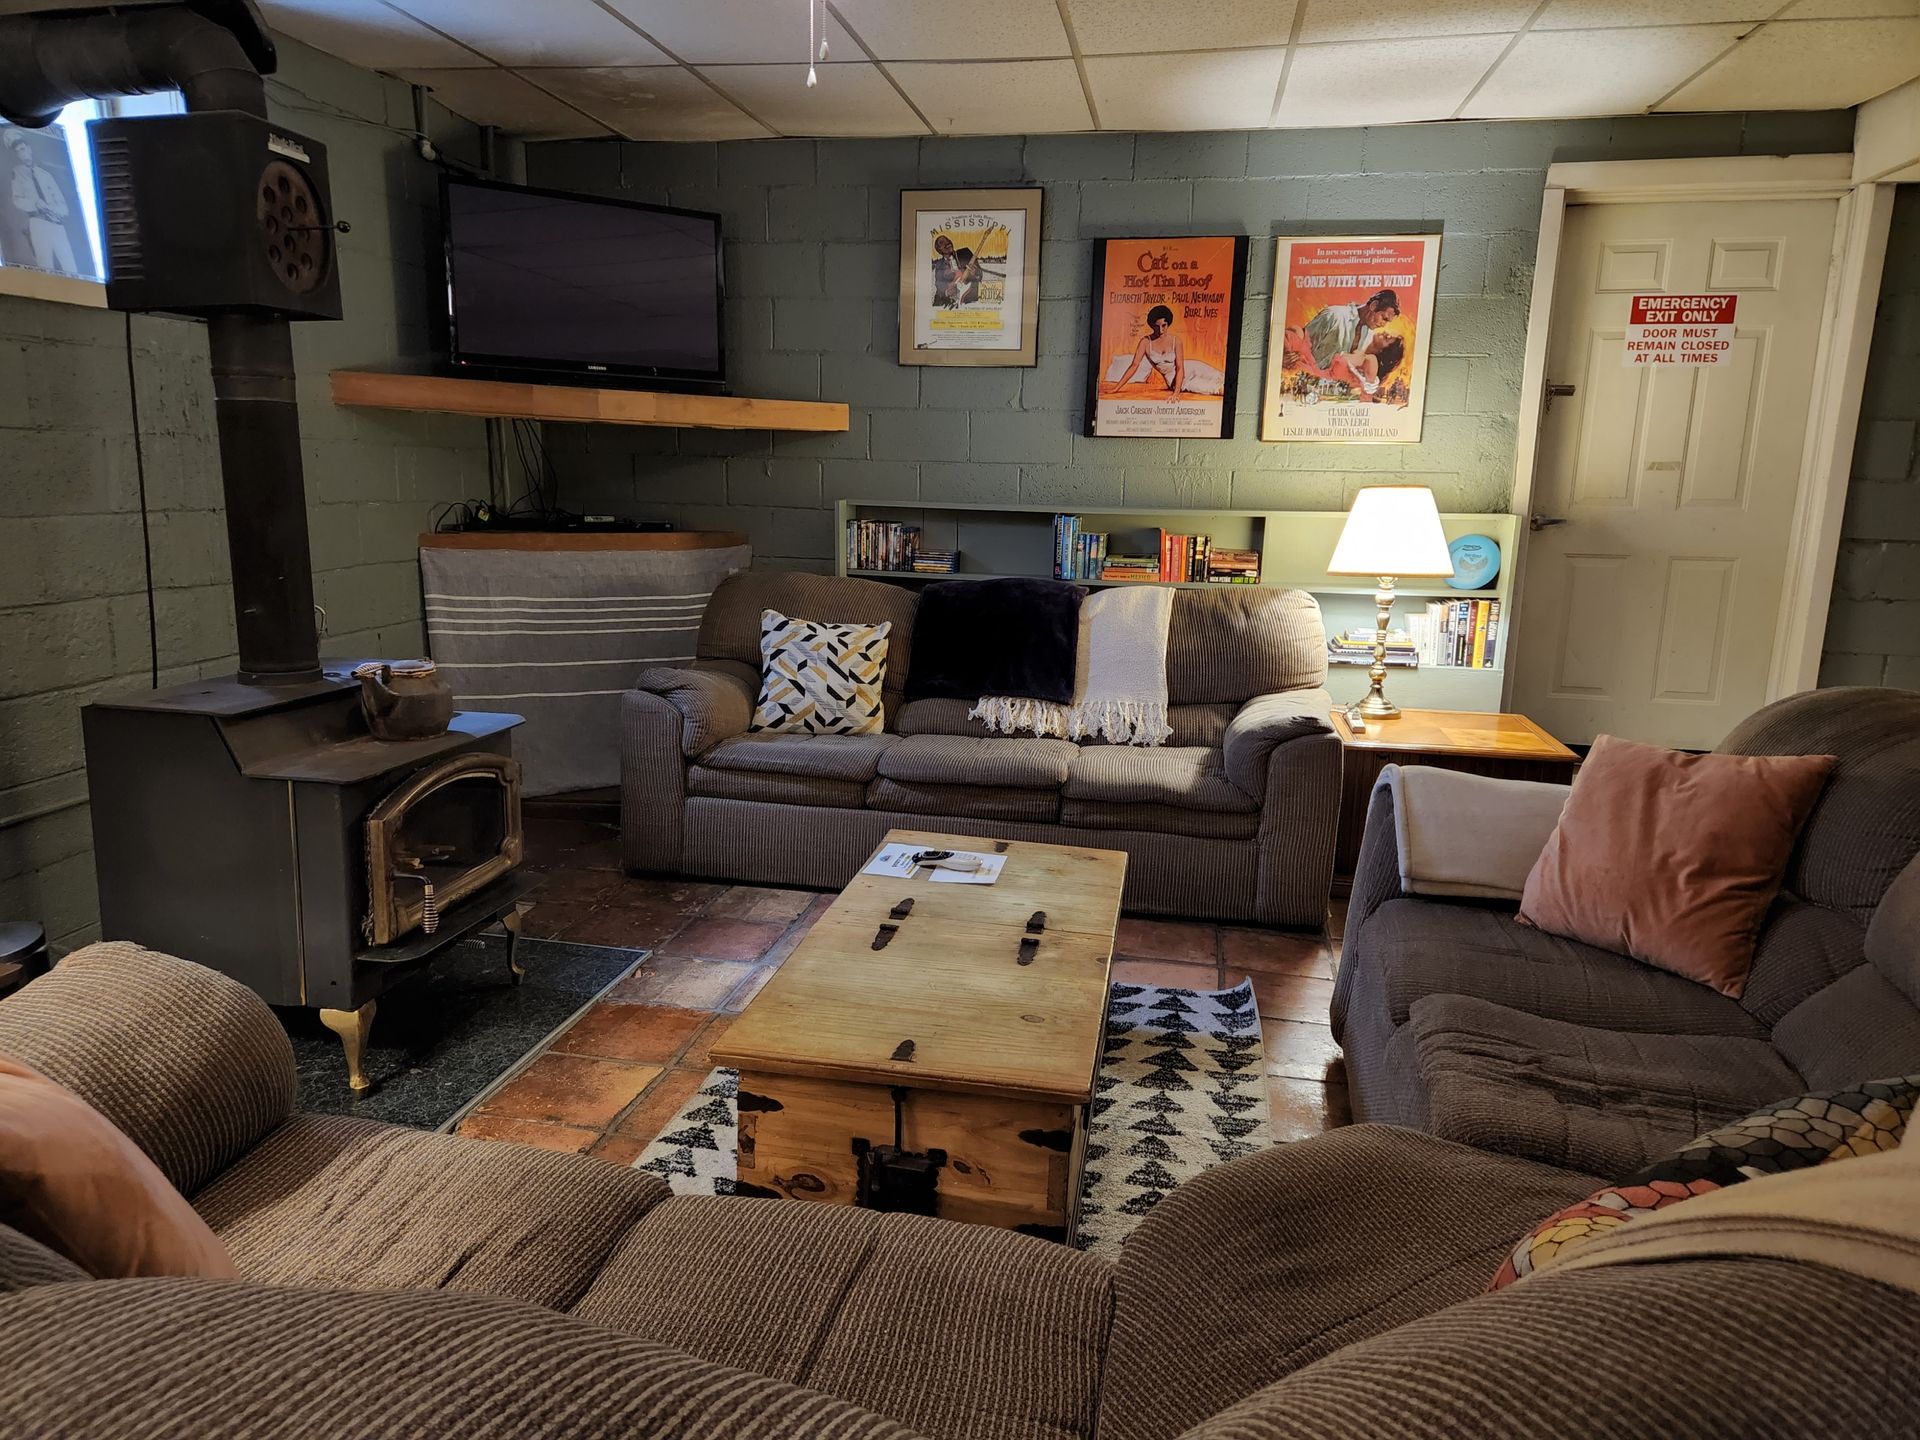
(849, 100)
(499, 97)
(1006, 97)
(1200, 90)
(1628, 14)
(945, 30)
(1807, 65)
(736, 32)
(1399, 19)
(1851, 9)
(549, 32)
(1126, 27)
(1333, 84)
(652, 102)
(1597, 72)
(366, 33)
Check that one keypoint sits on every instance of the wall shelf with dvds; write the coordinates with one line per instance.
(1000, 541)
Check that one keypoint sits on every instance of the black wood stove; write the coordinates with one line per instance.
(260, 830)
(252, 824)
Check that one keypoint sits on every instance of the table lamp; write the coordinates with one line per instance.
(1392, 531)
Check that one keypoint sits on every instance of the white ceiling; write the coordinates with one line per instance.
(732, 69)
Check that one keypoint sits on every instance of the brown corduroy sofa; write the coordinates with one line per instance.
(1233, 819)
(1458, 1020)
(398, 1283)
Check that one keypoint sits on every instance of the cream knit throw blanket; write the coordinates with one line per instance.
(1120, 676)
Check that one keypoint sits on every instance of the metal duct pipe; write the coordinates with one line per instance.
(46, 61)
(259, 425)
(49, 60)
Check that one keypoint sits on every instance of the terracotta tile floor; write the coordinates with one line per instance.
(619, 1073)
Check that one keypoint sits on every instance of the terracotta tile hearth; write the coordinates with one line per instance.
(612, 1080)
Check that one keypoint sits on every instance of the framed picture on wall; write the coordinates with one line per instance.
(1163, 357)
(42, 225)
(969, 276)
(1347, 340)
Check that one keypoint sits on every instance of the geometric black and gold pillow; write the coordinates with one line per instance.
(821, 679)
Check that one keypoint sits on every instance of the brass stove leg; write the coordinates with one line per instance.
(352, 1027)
(510, 922)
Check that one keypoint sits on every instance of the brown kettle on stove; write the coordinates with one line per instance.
(404, 699)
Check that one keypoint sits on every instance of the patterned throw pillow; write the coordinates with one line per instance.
(819, 679)
(1795, 1134)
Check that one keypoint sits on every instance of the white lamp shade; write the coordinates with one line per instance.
(1392, 530)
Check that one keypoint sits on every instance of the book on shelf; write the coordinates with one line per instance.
(935, 562)
(1233, 567)
(1078, 554)
(1175, 558)
(1457, 634)
(1141, 569)
(882, 545)
(1355, 647)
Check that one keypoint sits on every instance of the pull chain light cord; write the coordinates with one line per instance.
(816, 42)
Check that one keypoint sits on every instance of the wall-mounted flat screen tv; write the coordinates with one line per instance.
(580, 287)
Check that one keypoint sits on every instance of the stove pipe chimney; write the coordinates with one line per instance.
(214, 52)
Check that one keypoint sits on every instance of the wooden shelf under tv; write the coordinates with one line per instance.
(579, 404)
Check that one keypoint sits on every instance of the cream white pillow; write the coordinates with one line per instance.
(821, 679)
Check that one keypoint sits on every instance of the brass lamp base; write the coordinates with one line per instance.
(1376, 706)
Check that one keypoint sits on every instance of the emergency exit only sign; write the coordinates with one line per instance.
(1679, 330)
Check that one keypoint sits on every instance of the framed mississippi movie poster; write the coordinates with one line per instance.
(969, 276)
(1347, 342)
(1164, 354)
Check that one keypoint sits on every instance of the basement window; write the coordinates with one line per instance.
(49, 207)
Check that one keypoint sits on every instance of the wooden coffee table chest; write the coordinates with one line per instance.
(931, 1047)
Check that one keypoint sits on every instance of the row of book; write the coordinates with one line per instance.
(1173, 559)
(882, 545)
(1451, 634)
(1459, 633)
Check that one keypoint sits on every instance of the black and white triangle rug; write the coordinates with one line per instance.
(1182, 1087)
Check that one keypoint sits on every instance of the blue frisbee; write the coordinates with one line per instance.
(1476, 561)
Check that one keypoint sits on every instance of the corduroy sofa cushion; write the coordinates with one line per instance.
(1015, 762)
(1187, 778)
(1417, 948)
(206, 1360)
(1229, 643)
(961, 1331)
(1865, 828)
(1721, 1348)
(189, 1065)
(963, 802)
(1602, 1101)
(1159, 819)
(1250, 1271)
(330, 1200)
(25, 1262)
(761, 788)
(822, 757)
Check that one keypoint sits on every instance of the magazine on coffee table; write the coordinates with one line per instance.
(950, 867)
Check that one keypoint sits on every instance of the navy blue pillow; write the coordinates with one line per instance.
(995, 637)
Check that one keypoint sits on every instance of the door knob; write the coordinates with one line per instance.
(1545, 522)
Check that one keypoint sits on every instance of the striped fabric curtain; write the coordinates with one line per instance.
(559, 635)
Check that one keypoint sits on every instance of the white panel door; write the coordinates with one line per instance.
(1654, 586)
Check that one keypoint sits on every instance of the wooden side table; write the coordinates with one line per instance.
(1507, 747)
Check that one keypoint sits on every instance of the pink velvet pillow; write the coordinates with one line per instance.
(72, 1181)
(1673, 858)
